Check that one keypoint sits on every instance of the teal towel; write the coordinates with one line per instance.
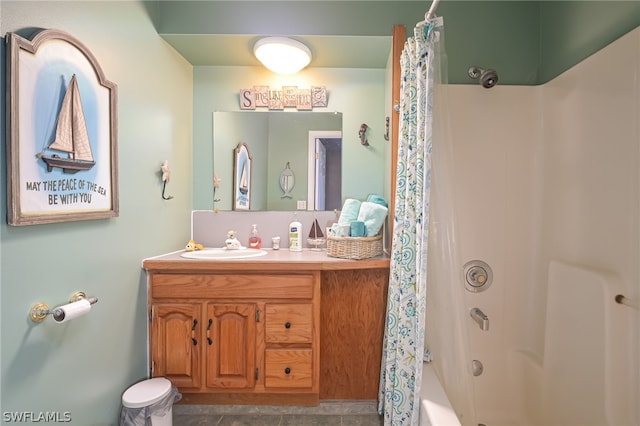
(377, 199)
(373, 216)
(357, 229)
(349, 211)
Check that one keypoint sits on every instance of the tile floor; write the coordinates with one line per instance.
(336, 413)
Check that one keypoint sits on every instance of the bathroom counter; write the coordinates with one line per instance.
(274, 260)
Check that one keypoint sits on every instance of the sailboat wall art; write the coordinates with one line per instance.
(72, 137)
(241, 177)
(62, 128)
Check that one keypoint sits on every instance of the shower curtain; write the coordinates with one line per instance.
(403, 350)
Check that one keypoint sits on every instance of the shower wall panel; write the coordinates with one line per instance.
(550, 174)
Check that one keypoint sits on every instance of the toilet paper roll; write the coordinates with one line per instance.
(70, 311)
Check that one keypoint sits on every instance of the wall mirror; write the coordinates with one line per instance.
(281, 142)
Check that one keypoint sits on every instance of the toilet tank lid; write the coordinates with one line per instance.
(146, 393)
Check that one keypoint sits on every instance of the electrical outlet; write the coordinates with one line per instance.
(302, 205)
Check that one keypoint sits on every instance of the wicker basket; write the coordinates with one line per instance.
(354, 247)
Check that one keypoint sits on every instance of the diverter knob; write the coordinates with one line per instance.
(478, 276)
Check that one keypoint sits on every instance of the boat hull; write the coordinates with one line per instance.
(68, 165)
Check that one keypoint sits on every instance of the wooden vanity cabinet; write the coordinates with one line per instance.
(237, 338)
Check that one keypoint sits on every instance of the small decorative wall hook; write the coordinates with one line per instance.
(386, 129)
(216, 185)
(363, 134)
(166, 174)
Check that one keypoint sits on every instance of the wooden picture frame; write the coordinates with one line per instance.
(61, 132)
(241, 177)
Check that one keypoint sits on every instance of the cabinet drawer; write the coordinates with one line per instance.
(288, 322)
(220, 286)
(288, 368)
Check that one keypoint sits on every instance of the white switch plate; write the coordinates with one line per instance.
(302, 205)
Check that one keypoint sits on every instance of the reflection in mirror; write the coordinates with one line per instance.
(325, 170)
(275, 139)
(287, 181)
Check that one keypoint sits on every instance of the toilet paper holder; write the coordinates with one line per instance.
(40, 310)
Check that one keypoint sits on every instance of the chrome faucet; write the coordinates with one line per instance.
(479, 317)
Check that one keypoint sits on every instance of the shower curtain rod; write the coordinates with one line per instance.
(430, 14)
(432, 10)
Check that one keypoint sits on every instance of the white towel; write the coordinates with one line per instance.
(373, 216)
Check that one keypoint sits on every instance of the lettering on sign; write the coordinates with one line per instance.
(303, 99)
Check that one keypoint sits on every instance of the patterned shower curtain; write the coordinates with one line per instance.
(403, 350)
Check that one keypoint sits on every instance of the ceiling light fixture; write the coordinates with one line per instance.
(282, 55)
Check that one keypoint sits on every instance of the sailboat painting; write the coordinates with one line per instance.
(62, 131)
(71, 135)
(242, 177)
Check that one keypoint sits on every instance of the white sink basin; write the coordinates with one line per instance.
(223, 253)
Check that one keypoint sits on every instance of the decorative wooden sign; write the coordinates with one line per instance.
(303, 99)
(62, 132)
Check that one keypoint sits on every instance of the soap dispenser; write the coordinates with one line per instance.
(255, 242)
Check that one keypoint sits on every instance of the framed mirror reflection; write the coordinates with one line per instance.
(279, 142)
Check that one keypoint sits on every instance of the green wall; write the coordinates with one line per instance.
(83, 366)
(574, 30)
(527, 42)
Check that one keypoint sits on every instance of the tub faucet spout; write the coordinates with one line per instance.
(479, 317)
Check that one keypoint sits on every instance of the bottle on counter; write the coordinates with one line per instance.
(295, 235)
(255, 242)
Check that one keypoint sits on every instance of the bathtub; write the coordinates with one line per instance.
(435, 408)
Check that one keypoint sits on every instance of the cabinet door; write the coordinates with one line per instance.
(231, 345)
(176, 341)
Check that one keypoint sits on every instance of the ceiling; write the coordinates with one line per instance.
(327, 51)
(340, 34)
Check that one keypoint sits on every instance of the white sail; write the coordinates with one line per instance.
(244, 184)
(71, 129)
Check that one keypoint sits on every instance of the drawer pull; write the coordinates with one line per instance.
(209, 341)
(287, 370)
(287, 324)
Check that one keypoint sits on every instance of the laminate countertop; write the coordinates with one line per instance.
(274, 260)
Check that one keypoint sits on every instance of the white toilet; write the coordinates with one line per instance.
(147, 393)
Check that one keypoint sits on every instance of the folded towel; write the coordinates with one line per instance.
(357, 229)
(349, 211)
(373, 216)
(338, 230)
(377, 199)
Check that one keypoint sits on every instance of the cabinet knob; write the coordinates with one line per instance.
(287, 370)
(287, 324)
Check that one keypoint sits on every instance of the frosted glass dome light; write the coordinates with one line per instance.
(282, 55)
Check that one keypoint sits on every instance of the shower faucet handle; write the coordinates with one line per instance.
(479, 317)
